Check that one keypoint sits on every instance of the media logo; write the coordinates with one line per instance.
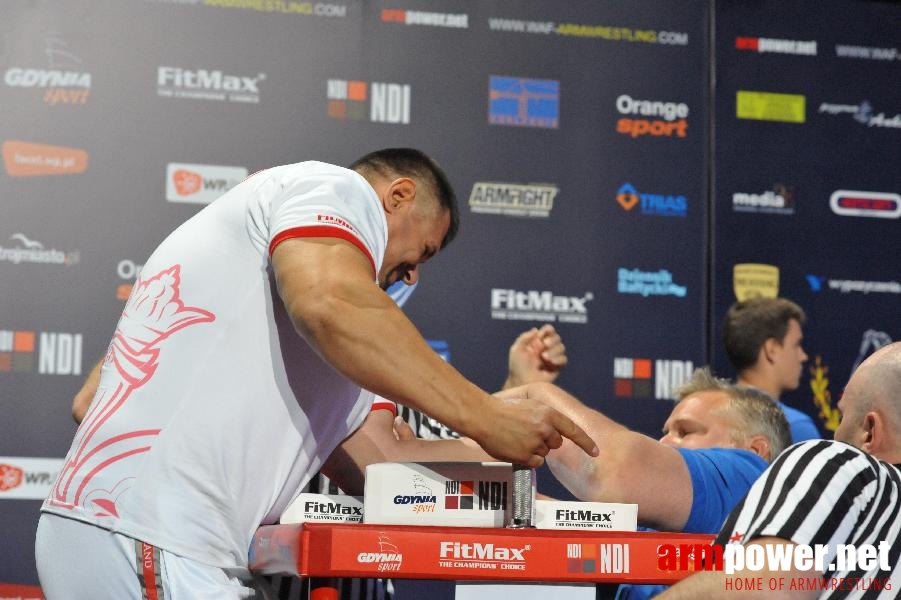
(377, 102)
(880, 205)
(34, 252)
(532, 305)
(755, 280)
(24, 478)
(777, 201)
(770, 45)
(647, 378)
(63, 82)
(513, 199)
(27, 159)
(771, 106)
(388, 557)
(475, 495)
(432, 19)
(57, 353)
(863, 113)
(648, 283)
(671, 118)
(521, 102)
(200, 184)
(597, 558)
(661, 205)
(203, 84)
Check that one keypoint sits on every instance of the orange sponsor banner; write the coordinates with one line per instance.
(24, 159)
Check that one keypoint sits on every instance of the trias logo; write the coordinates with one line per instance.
(201, 84)
(388, 557)
(64, 82)
(200, 184)
(533, 305)
(655, 118)
(881, 205)
(662, 205)
(512, 199)
(644, 378)
(57, 353)
(376, 101)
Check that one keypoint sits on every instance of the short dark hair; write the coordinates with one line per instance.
(409, 162)
(756, 412)
(750, 323)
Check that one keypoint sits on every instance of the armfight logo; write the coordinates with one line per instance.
(534, 305)
(512, 199)
(24, 478)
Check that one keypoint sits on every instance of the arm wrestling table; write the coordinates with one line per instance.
(327, 550)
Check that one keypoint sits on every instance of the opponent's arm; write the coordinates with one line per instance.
(84, 396)
(327, 287)
(535, 355)
(631, 467)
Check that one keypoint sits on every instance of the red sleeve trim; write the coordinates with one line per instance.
(321, 231)
(382, 404)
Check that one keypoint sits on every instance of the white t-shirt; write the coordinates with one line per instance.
(212, 412)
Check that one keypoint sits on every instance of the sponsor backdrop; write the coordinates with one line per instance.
(596, 193)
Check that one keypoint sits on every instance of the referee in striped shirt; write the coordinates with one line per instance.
(823, 494)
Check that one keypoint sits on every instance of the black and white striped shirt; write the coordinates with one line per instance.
(827, 493)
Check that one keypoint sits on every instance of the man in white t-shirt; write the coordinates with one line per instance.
(212, 412)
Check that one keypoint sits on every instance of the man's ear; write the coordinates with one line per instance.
(760, 446)
(769, 349)
(399, 192)
(874, 433)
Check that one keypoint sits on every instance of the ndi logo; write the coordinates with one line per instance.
(376, 101)
(633, 377)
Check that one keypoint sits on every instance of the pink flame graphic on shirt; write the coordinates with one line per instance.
(154, 312)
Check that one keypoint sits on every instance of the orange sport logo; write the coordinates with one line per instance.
(27, 159)
(651, 118)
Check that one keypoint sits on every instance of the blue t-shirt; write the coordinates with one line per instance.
(800, 424)
(720, 477)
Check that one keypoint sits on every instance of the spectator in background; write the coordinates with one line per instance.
(824, 494)
(762, 338)
(716, 442)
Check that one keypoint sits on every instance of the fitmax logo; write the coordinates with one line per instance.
(533, 305)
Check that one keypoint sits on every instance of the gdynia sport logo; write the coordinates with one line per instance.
(745, 562)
